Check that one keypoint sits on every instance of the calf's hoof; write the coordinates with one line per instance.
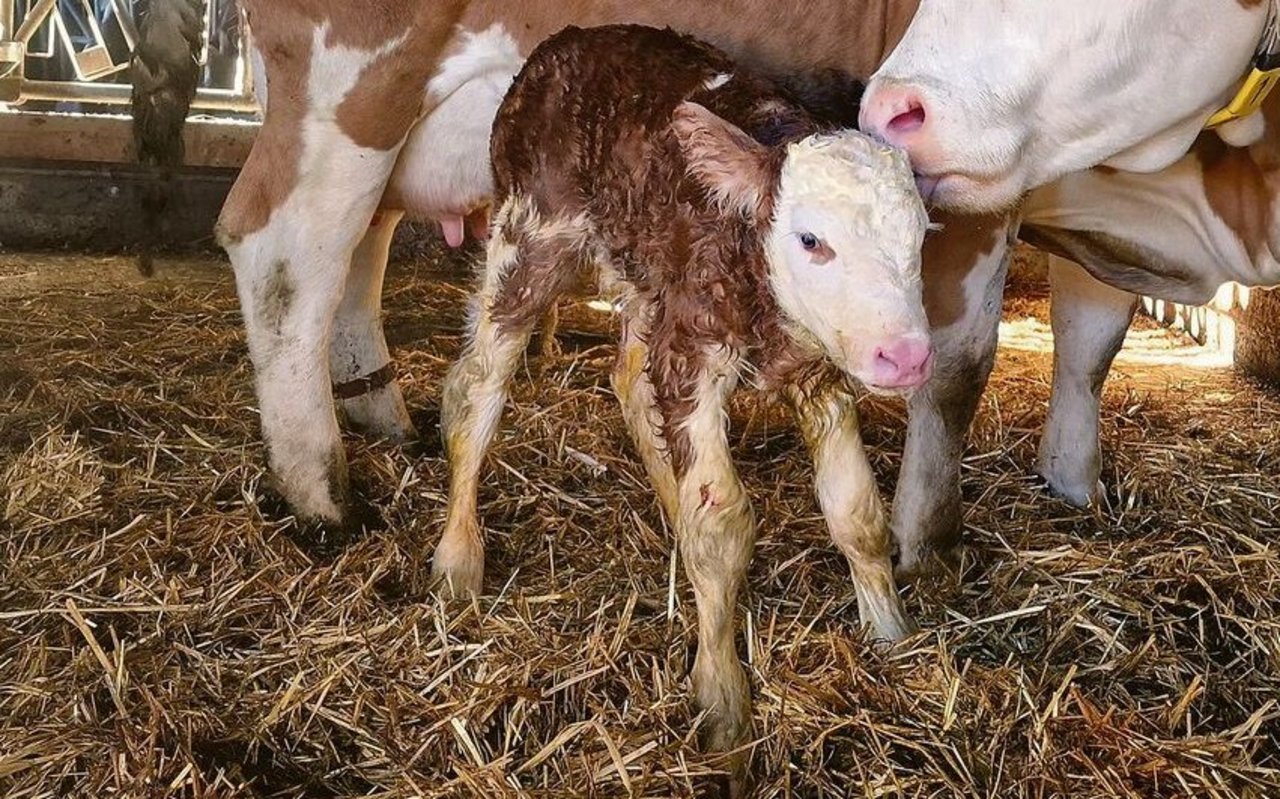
(725, 735)
(457, 568)
(887, 617)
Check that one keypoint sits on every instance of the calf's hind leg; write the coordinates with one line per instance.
(529, 262)
(634, 389)
(828, 417)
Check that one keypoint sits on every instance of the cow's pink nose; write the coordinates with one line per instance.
(905, 363)
(894, 114)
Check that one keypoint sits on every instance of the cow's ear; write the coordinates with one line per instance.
(734, 168)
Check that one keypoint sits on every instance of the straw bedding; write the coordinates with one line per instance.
(164, 633)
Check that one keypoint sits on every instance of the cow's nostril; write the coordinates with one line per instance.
(908, 121)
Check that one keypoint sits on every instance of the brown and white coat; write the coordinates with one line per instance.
(698, 195)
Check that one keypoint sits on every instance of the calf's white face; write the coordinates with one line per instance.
(992, 98)
(842, 242)
(844, 257)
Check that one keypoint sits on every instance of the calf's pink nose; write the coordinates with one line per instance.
(905, 363)
(894, 114)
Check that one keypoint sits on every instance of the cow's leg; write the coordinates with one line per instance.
(715, 527)
(1090, 320)
(528, 265)
(290, 276)
(299, 208)
(634, 389)
(359, 361)
(964, 277)
(828, 416)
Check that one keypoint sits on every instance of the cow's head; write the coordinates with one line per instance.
(842, 227)
(995, 97)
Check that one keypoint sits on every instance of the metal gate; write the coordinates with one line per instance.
(73, 55)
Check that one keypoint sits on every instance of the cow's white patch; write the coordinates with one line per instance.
(481, 54)
(717, 81)
(335, 70)
(1166, 214)
(444, 167)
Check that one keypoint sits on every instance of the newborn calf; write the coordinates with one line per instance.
(739, 238)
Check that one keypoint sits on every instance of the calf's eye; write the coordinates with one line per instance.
(818, 250)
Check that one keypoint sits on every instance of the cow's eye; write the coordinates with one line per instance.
(810, 242)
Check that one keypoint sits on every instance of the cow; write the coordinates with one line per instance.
(1176, 235)
(742, 240)
(1168, 211)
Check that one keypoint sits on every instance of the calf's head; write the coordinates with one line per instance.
(992, 98)
(841, 228)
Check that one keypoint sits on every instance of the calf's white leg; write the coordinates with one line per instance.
(359, 361)
(846, 487)
(1089, 320)
(716, 530)
(528, 262)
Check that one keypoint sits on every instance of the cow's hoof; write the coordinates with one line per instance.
(1082, 494)
(324, 539)
(380, 415)
(915, 564)
(1072, 480)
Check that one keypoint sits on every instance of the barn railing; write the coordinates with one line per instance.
(74, 55)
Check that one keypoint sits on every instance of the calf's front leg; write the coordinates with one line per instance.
(828, 417)
(716, 530)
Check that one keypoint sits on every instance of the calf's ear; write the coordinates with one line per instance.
(734, 168)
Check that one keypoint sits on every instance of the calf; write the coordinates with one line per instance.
(739, 238)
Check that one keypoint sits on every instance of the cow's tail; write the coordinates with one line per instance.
(165, 72)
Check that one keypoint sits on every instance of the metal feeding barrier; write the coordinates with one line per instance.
(73, 55)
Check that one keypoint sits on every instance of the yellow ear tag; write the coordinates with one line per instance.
(1250, 98)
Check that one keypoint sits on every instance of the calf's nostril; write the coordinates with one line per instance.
(884, 359)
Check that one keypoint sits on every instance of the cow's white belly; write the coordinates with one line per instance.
(1165, 215)
(443, 170)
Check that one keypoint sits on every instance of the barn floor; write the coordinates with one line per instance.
(161, 633)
